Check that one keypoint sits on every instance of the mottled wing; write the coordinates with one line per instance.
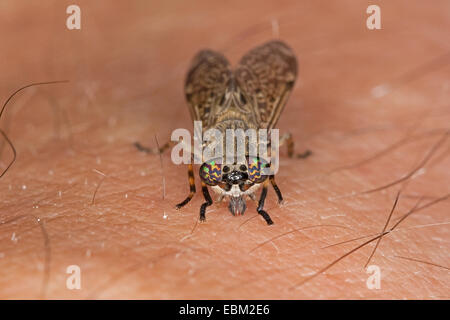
(206, 83)
(267, 74)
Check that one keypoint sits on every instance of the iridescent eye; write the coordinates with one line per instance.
(211, 172)
(255, 166)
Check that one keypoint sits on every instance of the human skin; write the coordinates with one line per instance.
(80, 193)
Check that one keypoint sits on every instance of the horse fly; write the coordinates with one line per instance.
(252, 96)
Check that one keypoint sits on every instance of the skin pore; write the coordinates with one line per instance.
(373, 106)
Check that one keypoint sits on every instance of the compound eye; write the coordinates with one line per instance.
(211, 172)
(255, 166)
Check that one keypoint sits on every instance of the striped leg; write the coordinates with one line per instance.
(287, 138)
(277, 190)
(205, 204)
(260, 210)
(164, 147)
(191, 187)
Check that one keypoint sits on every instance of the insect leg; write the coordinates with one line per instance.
(191, 187)
(163, 148)
(287, 138)
(260, 210)
(205, 204)
(277, 190)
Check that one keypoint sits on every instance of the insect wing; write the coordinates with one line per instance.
(206, 83)
(267, 74)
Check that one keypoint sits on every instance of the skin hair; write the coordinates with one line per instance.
(85, 196)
